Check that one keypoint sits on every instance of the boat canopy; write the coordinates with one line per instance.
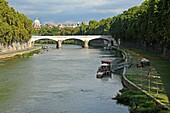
(106, 61)
(144, 60)
(104, 64)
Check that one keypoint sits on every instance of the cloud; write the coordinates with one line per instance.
(69, 10)
(49, 22)
(106, 11)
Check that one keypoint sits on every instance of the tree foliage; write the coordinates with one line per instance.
(53, 31)
(147, 26)
(94, 28)
(14, 27)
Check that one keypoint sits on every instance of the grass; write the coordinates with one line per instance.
(165, 111)
(28, 54)
(138, 102)
(140, 77)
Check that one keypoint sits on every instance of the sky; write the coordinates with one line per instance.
(71, 11)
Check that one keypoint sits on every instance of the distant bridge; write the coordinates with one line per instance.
(84, 38)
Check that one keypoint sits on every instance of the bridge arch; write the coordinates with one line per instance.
(35, 38)
(74, 41)
(45, 39)
(100, 38)
(99, 42)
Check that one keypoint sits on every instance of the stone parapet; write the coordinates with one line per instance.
(14, 46)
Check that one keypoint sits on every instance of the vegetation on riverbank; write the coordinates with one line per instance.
(145, 27)
(152, 83)
(27, 54)
(138, 102)
(14, 27)
(140, 76)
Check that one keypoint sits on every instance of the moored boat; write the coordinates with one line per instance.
(105, 69)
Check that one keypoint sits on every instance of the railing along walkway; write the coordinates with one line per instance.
(122, 64)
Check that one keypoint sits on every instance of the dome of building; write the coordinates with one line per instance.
(36, 23)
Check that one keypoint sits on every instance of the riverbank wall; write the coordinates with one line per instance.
(15, 46)
(127, 83)
(10, 50)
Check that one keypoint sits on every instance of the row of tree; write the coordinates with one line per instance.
(53, 31)
(146, 26)
(94, 27)
(14, 27)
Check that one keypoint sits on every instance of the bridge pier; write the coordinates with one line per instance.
(31, 44)
(59, 44)
(86, 42)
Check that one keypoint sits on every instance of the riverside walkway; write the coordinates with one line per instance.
(13, 53)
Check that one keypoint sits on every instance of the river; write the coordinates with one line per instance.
(59, 81)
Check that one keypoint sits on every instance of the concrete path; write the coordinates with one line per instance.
(13, 53)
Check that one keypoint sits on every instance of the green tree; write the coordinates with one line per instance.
(14, 27)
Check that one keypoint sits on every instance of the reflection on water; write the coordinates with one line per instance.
(58, 81)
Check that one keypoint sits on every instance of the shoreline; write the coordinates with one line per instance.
(10, 54)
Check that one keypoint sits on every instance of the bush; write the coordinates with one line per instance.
(138, 102)
(151, 109)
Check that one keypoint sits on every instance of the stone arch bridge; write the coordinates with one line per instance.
(84, 38)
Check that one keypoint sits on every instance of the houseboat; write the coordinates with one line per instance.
(105, 69)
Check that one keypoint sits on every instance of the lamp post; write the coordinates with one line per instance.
(118, 42)
(141, 76)
(149, 73)
(157, 82)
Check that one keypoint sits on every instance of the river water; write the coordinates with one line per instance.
(59, 81)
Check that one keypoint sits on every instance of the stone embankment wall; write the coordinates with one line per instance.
(15, 46)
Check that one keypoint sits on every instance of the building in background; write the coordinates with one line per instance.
(71, 25)
(36, 23)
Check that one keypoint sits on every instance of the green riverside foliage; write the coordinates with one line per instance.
(146, 26)
(47, 31)
(14, 27)
(138, 102)
(28, 54)
(94, 28)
